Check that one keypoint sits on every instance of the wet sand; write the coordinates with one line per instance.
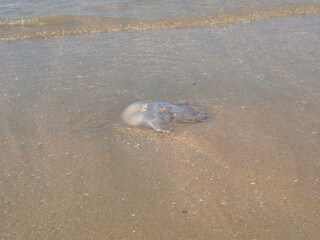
(70, 169)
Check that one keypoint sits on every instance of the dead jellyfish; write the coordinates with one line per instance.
(160, 116)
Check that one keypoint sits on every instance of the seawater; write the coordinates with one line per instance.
(21, 21)
(71, 169)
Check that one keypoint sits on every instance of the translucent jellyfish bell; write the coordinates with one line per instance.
(160, 115)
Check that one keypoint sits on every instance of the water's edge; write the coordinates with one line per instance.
(69, 25)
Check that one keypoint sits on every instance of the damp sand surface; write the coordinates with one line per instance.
(71, 169)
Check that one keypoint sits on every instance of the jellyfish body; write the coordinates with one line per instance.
(160, 115)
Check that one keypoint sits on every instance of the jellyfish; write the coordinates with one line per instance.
(160, 116)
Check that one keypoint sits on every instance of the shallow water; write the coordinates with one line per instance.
(61, 20)
(71, 169)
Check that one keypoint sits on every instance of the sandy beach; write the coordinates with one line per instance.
(72, 169)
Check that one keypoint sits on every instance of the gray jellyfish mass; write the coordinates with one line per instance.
(160, 116)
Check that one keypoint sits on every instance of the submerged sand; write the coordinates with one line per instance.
(70, 169)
